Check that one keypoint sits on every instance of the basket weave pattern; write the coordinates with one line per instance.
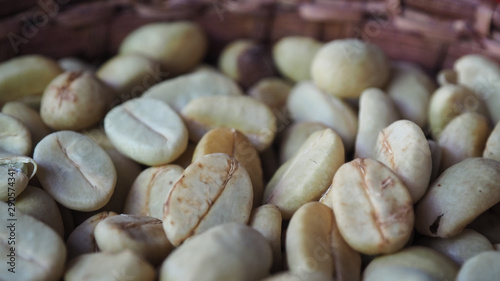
(431, 33)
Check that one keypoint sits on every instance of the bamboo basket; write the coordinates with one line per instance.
(430, 33)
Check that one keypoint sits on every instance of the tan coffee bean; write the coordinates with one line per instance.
(308, 175)
(141, 234)
(488, 224)
(213, 190)
(234, 144)
(82, 240)
(492, 149)
(150, 190)
(75, 171)
(484, 266)
(15, 137)
(74, 101)
(299, 276)
(410, 89)
(447, 77)
(465, 136)
(179, 91)
(38, 204)
(179, 46)
(147, 131)
(413, 263)
(372, 206)
(457, 197)
(293, 56)
(29, 117)
(344, 68)
(376, 112)
(129, 75)
(124, 265)
(39, 252)
(241, 252)
(402, 146)
(249, 116)
(460, 247)
(267, 220)
(448, 102)
(329, 110)
(481, 75)
(14, 73)
(295, 136)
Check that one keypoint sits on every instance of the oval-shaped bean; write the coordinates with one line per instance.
(402, 146)
(179, 91)
(15, 137)
(213, 190)
(274, 93)
(147, 131)
(75, 170)
(235, 144)
(241, 252)
(30, 249)
(328, 110)
(295, 136)
(465, 136)
(376, 112)
(245, 114)
(308, 175)
(29, 117)
(484, 267)
(293, 56)
(142, 234)
(372, 206)
(457, 197)
(150, 190)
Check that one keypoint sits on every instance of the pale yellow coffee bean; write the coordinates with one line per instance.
(308, 175)
(82, 240)
(293, 56)
(488, 224)
(75, 170)
(347, 260)
(345, 67)
(436, 154)
(123, 265)
(38, 204)
(484, 267)
(15, 137)
(185, 159)
(15, 172)
(246, 62)
(142, 234)
(460, 247)
(410, 89)
(234, 144)
(465, 136)
(402, 146)
(75, 64)
(447, 77)
(299, 276)
(492, 149)
(147, 131)
(294, 136)
(150, 190)
(129, 75)
(29, 117)
(458, 196)
(178, 46)
(225, 252)
(413, 263)
(267, 220)
(376, 112)
(213, 190)
(274, 93)
(245, 114)
(449, 101)
(30, 249)
(74, 101)
(372, 206)
(481, 75)
(329, 110)
(14, 73)
(179, 91)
